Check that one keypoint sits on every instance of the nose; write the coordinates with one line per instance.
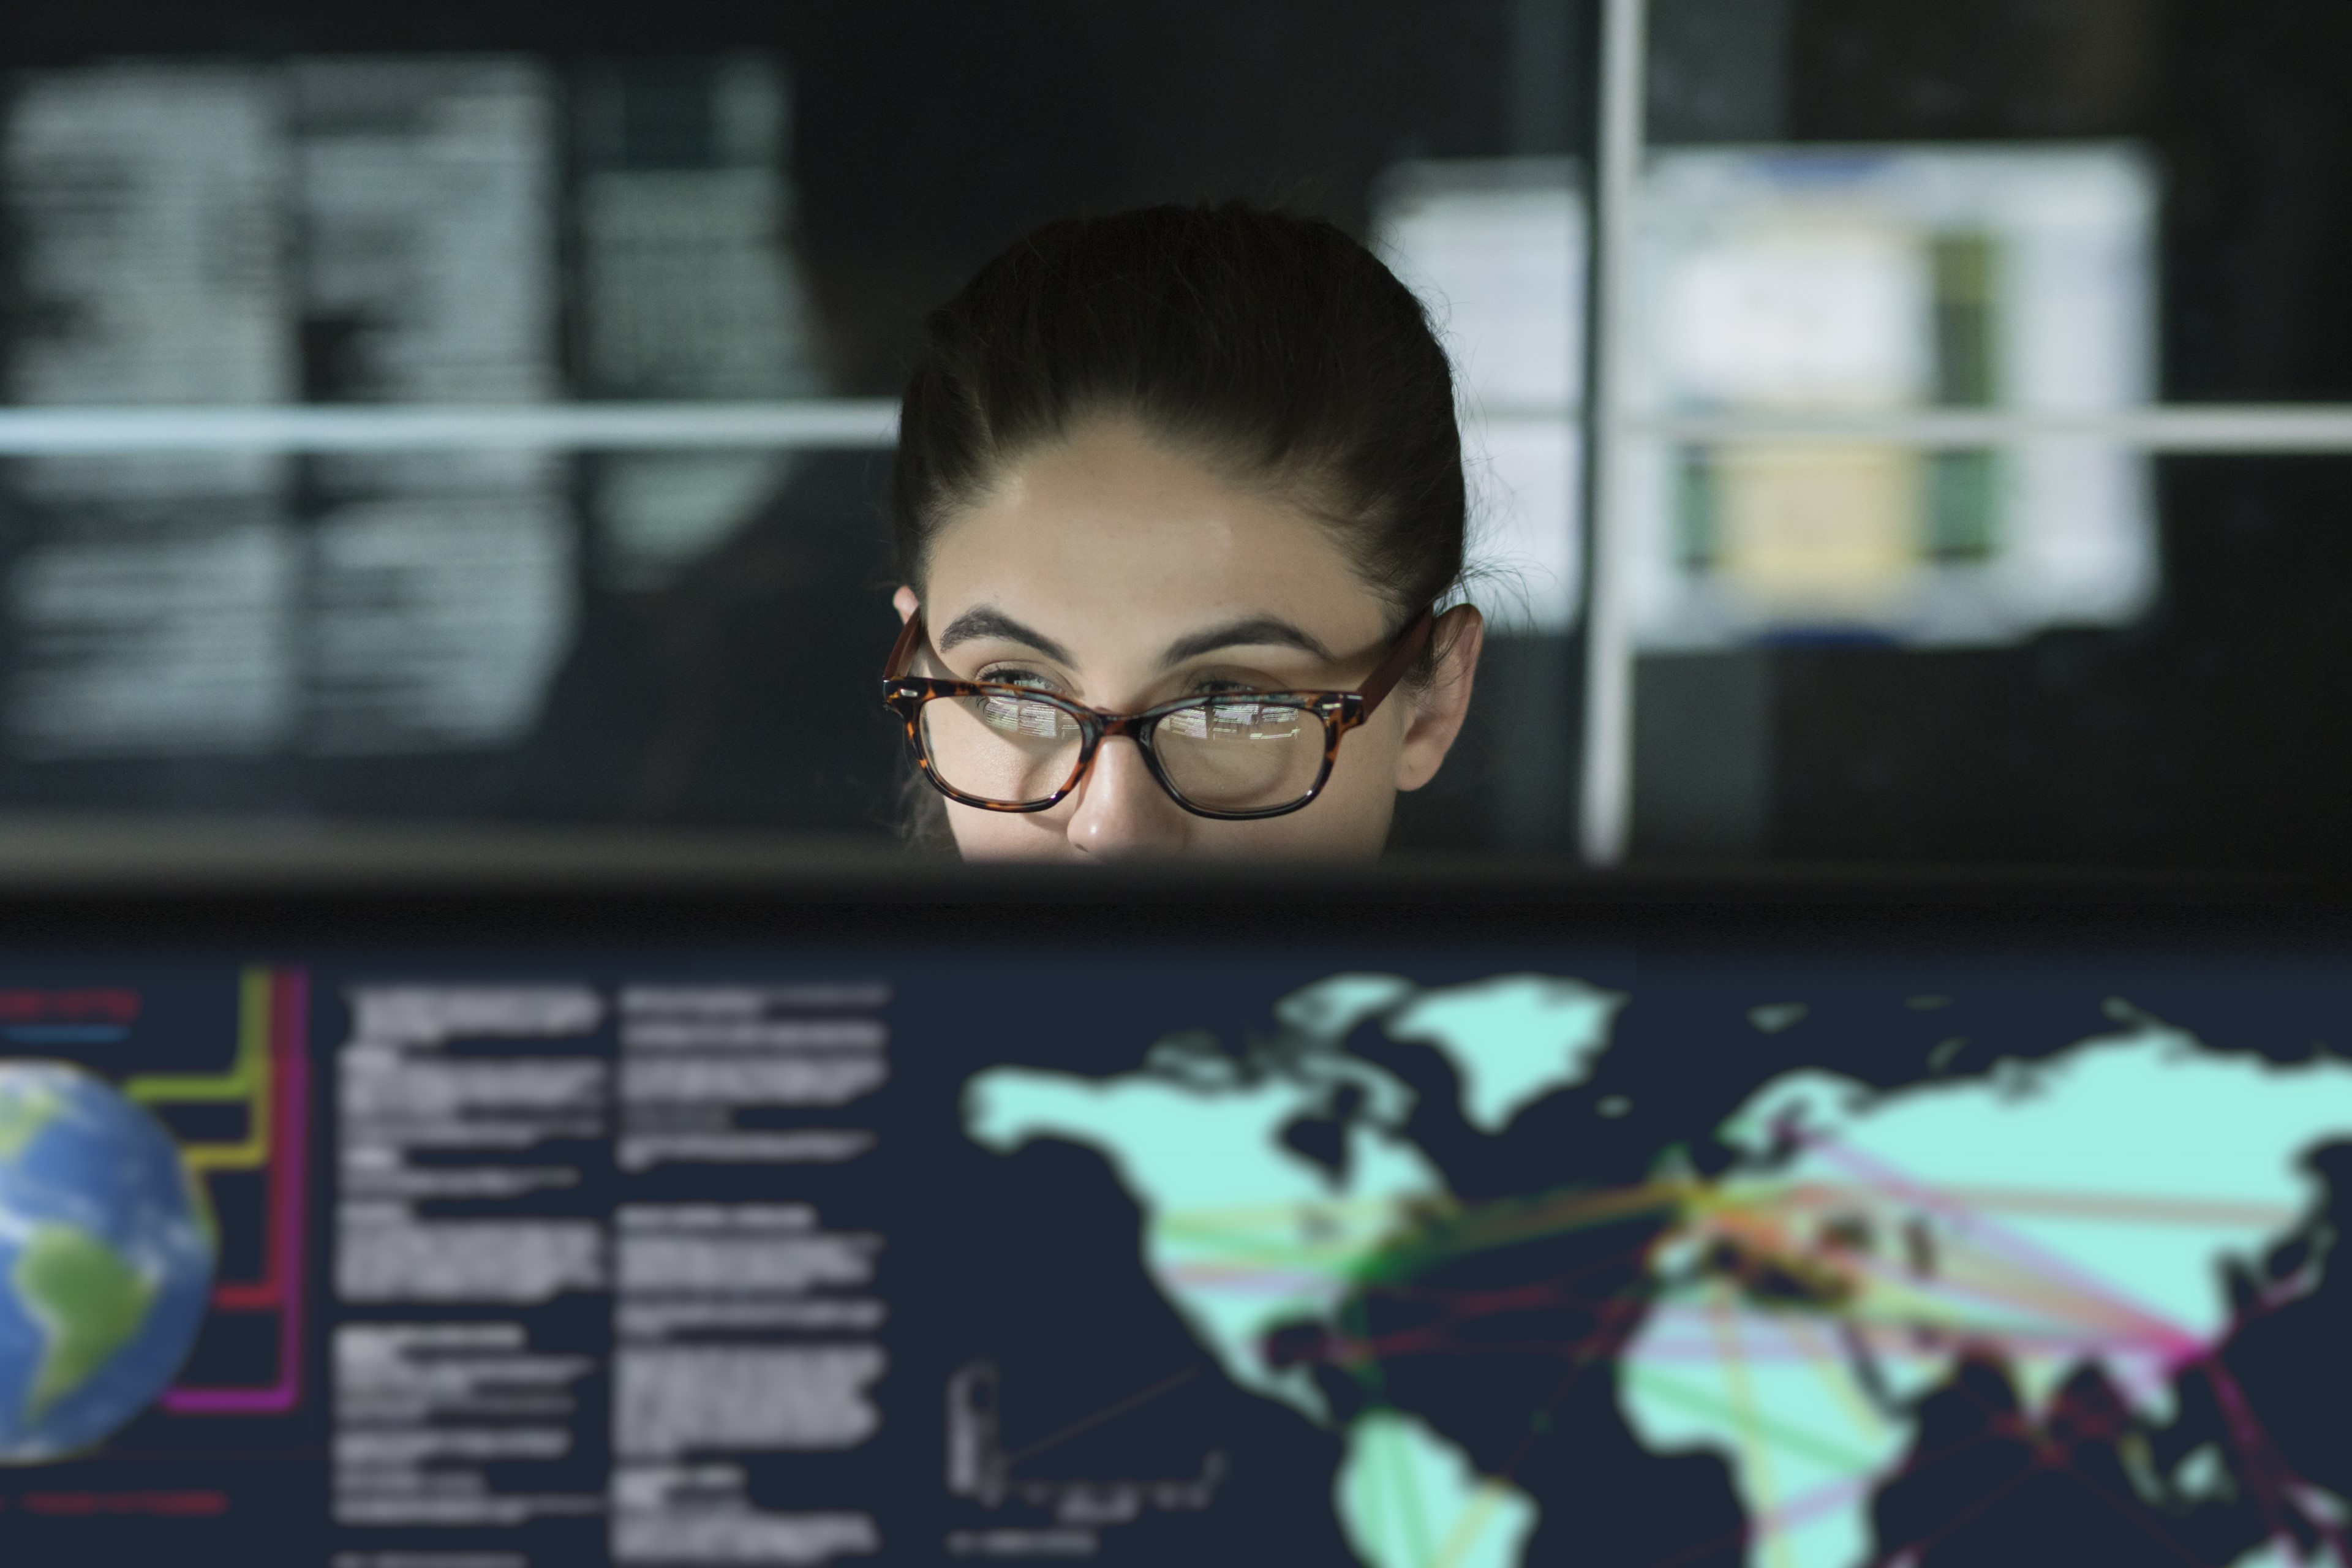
(1122, 812)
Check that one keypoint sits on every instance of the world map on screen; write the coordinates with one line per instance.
(1888, 1318)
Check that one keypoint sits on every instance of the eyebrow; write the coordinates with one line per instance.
(1259, 631)
(988, 621)
(1250, 631)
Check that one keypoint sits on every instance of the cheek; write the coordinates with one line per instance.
(1367, 764)
(1349, 820)
(1009, 834)
(1362, 789)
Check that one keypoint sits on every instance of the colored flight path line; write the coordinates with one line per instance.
(1993, 1283)
(270, 1077)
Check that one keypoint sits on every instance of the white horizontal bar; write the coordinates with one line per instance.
(837, 422)
(873, 422)
(2178, 428)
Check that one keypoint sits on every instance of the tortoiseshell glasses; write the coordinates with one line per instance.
(1235, 756)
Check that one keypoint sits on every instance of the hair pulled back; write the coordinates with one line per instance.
(1276, 346)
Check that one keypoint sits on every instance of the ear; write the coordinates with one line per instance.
(906, 604)
(1441, 705)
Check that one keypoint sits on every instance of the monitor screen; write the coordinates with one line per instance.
(1389, 1231)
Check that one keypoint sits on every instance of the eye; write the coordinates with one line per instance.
(1016, 675)
(1219, 686)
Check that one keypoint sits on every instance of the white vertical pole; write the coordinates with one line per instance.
(1606, 803)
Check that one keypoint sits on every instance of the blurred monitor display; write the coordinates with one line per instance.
(1497, 250)
(465, 230)
(149, 597)
(1886, 280)
(690, 287)
(1449, 1232)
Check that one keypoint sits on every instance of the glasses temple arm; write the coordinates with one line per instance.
(1392, 669)
(902, 652)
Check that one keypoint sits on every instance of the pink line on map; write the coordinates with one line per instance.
(290, 1029)
(2179, 1341)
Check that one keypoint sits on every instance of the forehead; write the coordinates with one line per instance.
(1113, 531)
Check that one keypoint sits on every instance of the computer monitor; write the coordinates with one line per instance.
(1377, 1224)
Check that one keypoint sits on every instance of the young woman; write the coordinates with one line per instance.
(1179, 500)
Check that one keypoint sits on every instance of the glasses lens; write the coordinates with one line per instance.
(1239, 753)
(1001, 747)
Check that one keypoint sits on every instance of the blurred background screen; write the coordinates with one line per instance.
(1896, 435)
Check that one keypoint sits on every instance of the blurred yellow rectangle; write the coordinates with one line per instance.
(1818, 530)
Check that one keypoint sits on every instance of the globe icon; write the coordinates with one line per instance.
(106, 1261)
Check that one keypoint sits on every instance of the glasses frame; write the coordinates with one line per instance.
(1340, 711)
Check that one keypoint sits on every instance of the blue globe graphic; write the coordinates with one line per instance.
(106, 1261)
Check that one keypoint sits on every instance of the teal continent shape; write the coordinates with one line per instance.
(1242, 1234)
(2081, 1207)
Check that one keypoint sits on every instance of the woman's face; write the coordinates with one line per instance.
(1122, 573)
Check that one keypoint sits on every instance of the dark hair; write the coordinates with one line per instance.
(1276, 345)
